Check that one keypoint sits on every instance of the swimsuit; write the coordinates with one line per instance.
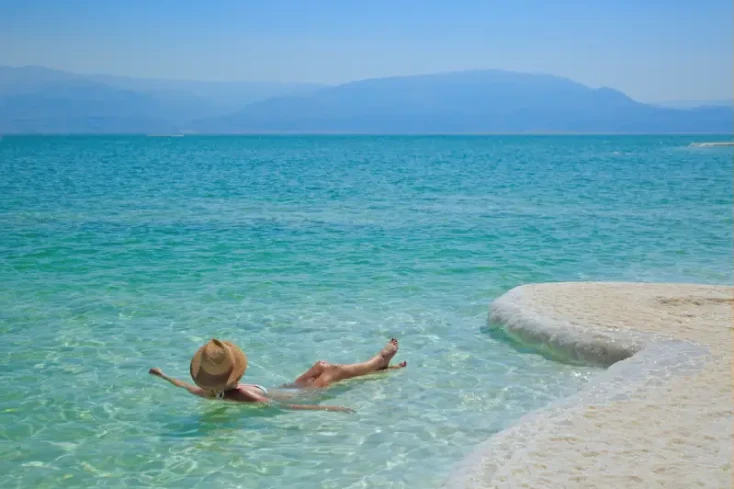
(220, 395)
(263, 389)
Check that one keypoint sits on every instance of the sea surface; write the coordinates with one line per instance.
(118, 254)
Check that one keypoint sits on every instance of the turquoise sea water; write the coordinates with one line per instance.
(118, 254)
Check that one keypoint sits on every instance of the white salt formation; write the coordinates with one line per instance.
(659, 416)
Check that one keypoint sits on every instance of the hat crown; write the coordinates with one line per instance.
(216, 357)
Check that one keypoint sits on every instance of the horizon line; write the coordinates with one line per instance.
(359, 134)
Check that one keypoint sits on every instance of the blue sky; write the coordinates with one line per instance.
(652, 50)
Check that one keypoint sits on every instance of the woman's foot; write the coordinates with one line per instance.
(399, 365)
(388, 353)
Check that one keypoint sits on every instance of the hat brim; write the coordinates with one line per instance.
(221, 381)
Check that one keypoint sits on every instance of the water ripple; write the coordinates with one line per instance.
(118, 254)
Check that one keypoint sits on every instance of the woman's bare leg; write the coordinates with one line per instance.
(335, 373)
(316, 370)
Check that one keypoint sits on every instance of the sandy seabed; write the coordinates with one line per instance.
(659, 416)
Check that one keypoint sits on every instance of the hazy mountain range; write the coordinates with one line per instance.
(40, 100)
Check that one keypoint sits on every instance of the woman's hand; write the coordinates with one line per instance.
(156, 371)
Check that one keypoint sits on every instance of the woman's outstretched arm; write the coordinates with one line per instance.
(178, 383)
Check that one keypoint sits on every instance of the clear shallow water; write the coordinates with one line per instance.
(119, 254)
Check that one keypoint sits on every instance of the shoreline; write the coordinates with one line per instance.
(659, 416)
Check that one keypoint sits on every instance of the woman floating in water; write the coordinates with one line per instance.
(218, 366)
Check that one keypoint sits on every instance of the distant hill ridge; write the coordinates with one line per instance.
(39, 100)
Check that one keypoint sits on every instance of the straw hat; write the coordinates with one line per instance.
(218, 365)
